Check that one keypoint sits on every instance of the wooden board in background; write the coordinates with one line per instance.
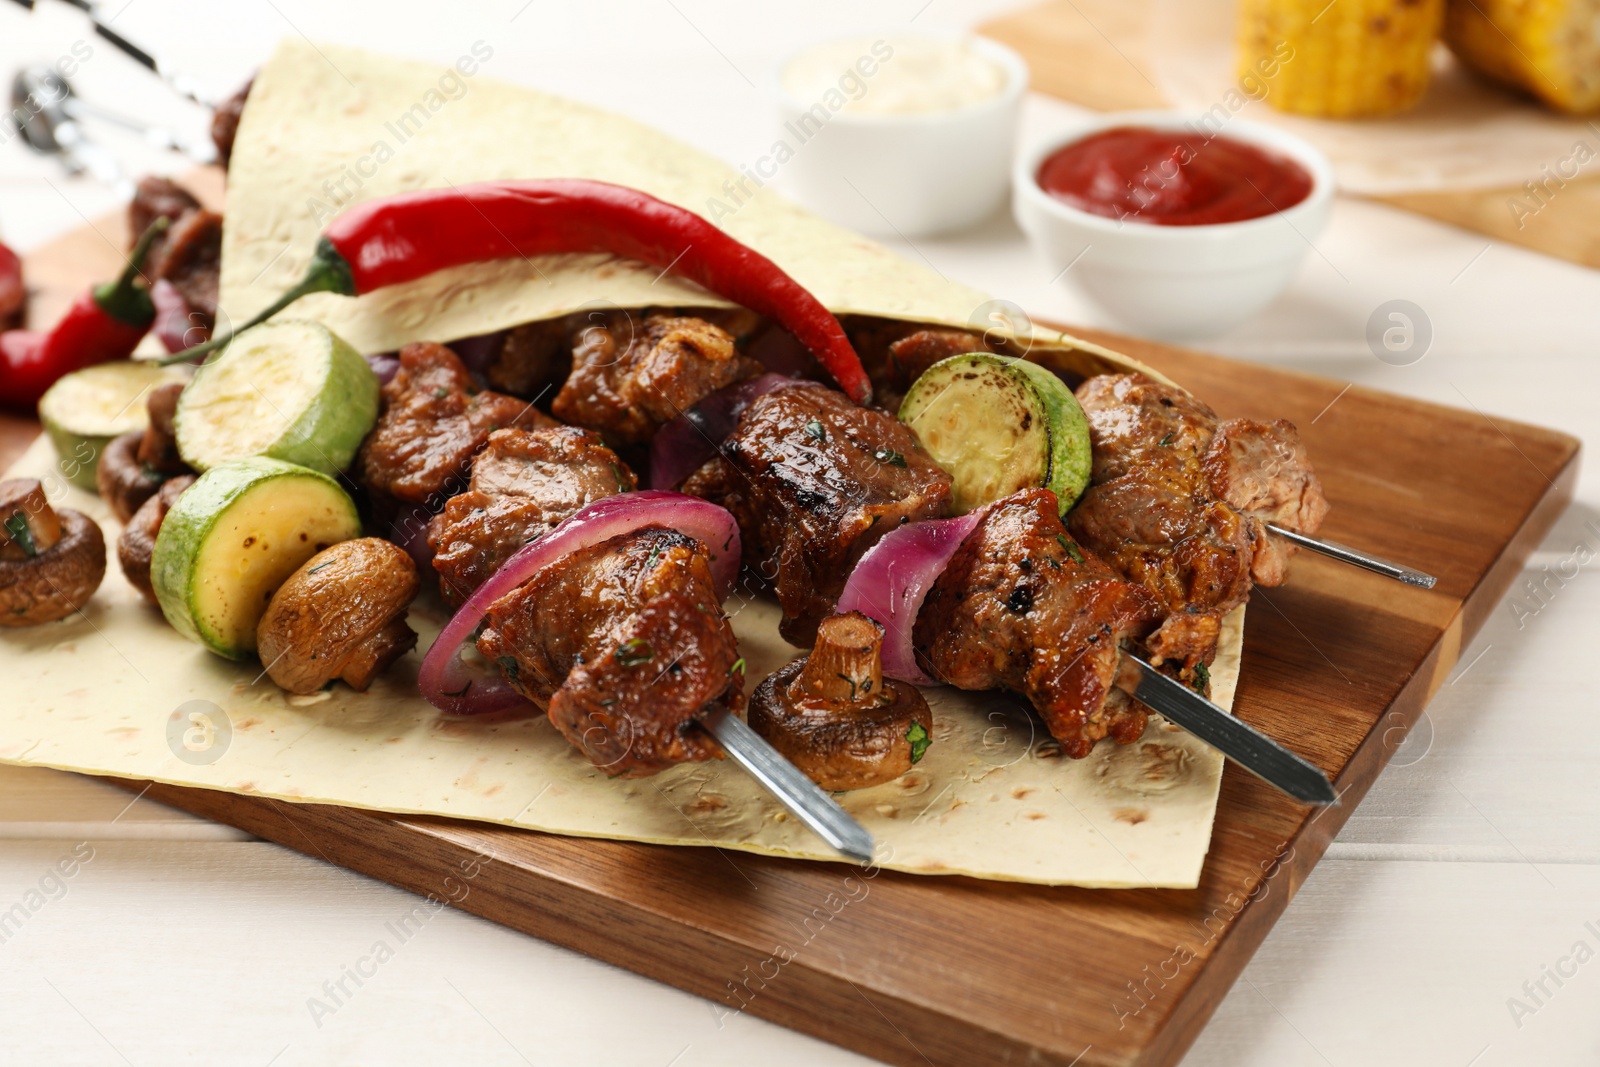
(955, 971)
(1089, 52)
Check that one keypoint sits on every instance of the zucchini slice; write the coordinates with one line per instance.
(998, 425)
(233, 537)
(84, 410)
(287, 390)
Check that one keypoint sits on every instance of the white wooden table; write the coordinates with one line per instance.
(1456, 920)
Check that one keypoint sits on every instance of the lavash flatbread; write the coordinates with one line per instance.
(115, 691)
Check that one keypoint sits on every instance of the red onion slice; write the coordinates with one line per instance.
(172, 326)
(893, 578)
(453, 686)
(681, 446)
(385, 365)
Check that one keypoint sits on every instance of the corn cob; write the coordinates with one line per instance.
(1549, 48)
(1337, 58)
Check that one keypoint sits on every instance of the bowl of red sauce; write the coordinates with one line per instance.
(1176, 226)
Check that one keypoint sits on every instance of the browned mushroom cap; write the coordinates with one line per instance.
(341, 615)
(123, 481)
(158, 446)
(835, 717)
(137, 543)
(51, 562)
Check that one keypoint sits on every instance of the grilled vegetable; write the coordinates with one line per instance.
(998, 425)
(289, 390)
(51, 562)
(83, 411)
(233, 537)
(1549, 48)
(1349, 59)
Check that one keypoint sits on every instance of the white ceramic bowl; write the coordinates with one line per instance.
(905, 174)
(1176, 283)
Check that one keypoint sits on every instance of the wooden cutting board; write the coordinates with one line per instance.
(956, 972)
(1090, 52)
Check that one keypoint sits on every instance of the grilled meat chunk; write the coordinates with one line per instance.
(814, 481)
(916, 352)
(154, 198)
(630, 376)
(524, 482)
(1177, 503)
(896, 353)
(625, 646)
(1262, 470)
(190, 257)
(531, 360)
(434, 421)
(225, 122)
(1022, 607)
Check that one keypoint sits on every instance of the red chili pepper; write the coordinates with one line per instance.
(401, 238)
(104, 323)
(12, 294)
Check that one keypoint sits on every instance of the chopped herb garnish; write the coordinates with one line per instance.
(608, 702)
(919, 741)
(1071, 548)
(622, 483)
(17, 527)
(508, 667)
(633, 652)
(319, 566)
(1202, 678)
(815, 429)
(889, 456)
(440, 393)
(738, 665)
(655, 554)
(1165, 441)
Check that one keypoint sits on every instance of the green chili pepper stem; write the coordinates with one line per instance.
(329, 272)
(122, 299)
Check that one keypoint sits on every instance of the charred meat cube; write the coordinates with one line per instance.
(1177, 503)
(630, 375)
(895, 353)
(1024, 608)
(1262, 470)
(531, 360)
(625, 646)
(190, 257)
(524, 482)
(154, 198)
(225, 122)
(814, 481)
(434, 420)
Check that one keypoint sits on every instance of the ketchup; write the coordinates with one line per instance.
(1172, 177)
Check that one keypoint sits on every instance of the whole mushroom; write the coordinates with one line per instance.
(341, 615)
(835, 716)
(123, 482)
(136, 545)
(51, 562)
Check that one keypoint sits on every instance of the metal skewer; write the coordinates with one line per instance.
(794, 790)
(1365, 560)
(1245, 745)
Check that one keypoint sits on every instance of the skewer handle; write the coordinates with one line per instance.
(1356, 557)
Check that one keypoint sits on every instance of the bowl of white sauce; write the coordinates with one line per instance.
(897, 133)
